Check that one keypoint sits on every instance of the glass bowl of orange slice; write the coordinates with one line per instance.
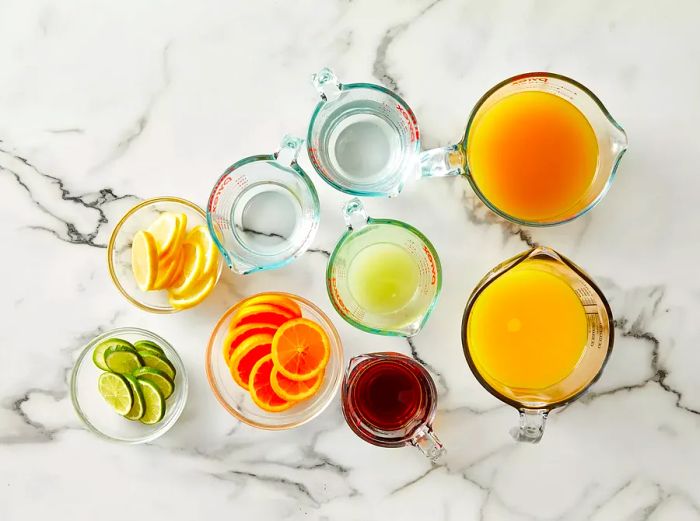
(274, 361)
(161, 255)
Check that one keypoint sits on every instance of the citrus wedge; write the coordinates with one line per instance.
(261, 390)
(144, 260)
(191, 270)
(165, 232)
(294, 390)
(280, 301)
(200, 235)
(239, 334)
(195, 295)
(260, 314)
(246, 355)
(300, 349)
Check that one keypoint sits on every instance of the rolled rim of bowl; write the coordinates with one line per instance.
(113, 239)
(178, 406)
(327, 326)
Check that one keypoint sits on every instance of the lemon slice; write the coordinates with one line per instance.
(144, 260)
(192, 269)
(168, 270)
(200, 235)
(196, 295)
(165, 231)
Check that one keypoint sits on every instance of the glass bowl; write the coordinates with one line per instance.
(237, 401)
(99, 417)
(138, 218)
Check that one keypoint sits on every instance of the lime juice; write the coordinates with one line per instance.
(383, 278)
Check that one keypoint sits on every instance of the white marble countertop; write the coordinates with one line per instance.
(102, 105)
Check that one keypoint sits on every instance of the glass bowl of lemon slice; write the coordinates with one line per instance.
(129, 385)
(161, 255)
(274, 361)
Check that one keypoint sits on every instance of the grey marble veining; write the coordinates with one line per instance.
(104, 105)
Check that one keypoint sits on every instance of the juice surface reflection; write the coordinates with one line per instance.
(527, 329)
(532, 154)
(383, 278)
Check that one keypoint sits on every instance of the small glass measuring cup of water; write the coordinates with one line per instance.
(363, 139)
(267, 210)
(384, 276)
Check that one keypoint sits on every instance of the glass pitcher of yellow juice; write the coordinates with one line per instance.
(537, 333)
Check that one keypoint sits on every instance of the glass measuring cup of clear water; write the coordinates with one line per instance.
(363, 139)
(512, 353)
(384, 276)
(266, 208)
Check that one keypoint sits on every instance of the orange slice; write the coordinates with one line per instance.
(200, 235)
(239, 334)
(294, 390)
(191, 269)
(280, 301)
(300, 349)
(260, 314)
(261, 390)
(144, 260)
(195, 295)
(246, 355)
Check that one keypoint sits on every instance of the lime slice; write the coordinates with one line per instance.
(122, 360)
(165, 385)
(147, 343)
(158, 362)
(155, 403)
(98, 354)
(139, 406)
(116, 392)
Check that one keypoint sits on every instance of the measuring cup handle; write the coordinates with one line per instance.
(354, 214)
(289, 149)
(327, 84)
(441, 162)
(428, 443)
(531, 426)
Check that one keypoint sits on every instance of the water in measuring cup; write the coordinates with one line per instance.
(266, 218)
(364, 146)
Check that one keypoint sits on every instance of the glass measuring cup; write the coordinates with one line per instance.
(568, 377)
(389, 400)
(384, 276)
(267, 210)
(364, 139)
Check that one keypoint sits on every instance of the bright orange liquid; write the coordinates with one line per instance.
(527, 329)
(533, 155)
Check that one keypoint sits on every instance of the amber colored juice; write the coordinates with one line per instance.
(527, 330)
(533, 155)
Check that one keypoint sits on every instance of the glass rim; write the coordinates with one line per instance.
(113, 238)
(179, 405)
(438, 278)
(312, 121)
(327, 325)
(514, 261)
(300, 250)
(524, 222)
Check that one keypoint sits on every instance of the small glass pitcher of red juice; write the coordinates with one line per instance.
(389, 400)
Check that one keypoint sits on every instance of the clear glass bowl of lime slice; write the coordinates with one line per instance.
(166, 385)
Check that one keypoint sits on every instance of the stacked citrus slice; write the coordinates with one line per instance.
(166, 256)
(274, 353)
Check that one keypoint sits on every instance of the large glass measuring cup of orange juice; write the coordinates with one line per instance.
(537, 333)
(539, 149)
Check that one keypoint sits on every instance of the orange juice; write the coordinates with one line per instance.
(532, 154)
(527, 329)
